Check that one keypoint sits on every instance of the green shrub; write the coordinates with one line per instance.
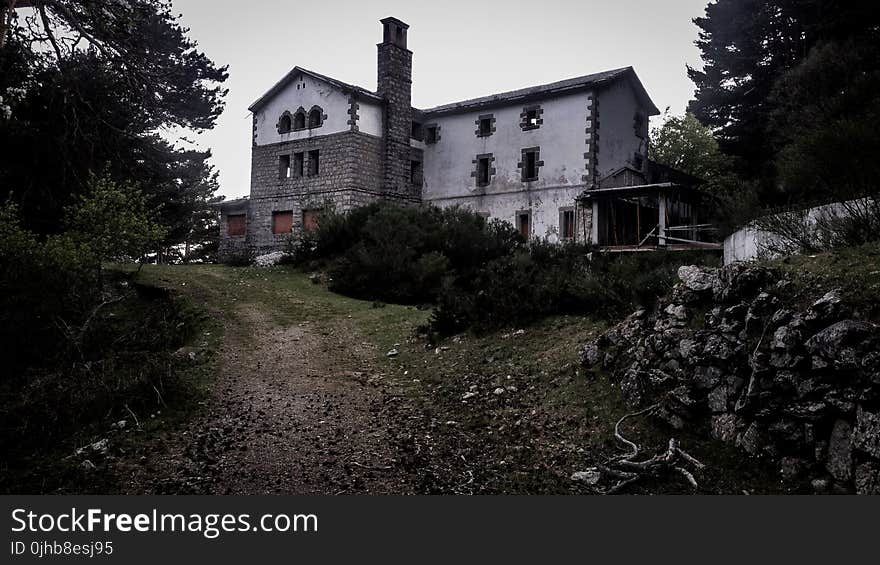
(401, 254)
(479, 275)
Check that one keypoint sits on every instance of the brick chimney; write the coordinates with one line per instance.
(395, 85)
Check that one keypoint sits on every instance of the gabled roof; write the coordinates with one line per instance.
(573, 84)
(295, 71)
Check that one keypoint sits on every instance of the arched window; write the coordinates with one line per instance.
(285, 123)
(299, 120)
(316, 117)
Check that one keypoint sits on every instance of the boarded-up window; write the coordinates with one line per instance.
(235, 224)
(566, 224)
(282, 222)
(310, 220)
(524, 223)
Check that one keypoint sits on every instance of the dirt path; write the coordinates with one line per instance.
(292, 411)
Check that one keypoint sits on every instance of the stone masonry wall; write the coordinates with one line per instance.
(395, 85)
(792, 376)
(349, 175)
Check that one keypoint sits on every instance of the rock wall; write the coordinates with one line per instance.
(781, 372)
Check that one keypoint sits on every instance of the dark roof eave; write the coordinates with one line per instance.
(344, 87)
(585, 82)
(641, 189)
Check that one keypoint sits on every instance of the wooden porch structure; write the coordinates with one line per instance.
(648, 217)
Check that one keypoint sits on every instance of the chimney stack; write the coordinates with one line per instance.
(395, 86)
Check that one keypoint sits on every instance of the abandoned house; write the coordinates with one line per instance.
(560, 161)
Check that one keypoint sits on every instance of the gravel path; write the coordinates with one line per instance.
(292, 412)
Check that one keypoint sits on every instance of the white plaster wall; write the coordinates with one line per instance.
(544, 206)
(448, 163)
(617, 139)
(370, 117)
(749, 243)
(311, 92)
(742, 245)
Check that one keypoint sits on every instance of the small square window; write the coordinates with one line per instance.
(431, 134)
(532, 118)
(485, 125)
(282, 222)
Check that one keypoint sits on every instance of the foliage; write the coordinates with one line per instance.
(104, 105)
(781, 82)
(113, 222)
(683, 143)
(77, 341)
(480, 275)
(850, 223)
(397, 254)
(547, 279)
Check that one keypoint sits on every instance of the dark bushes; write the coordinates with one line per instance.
(402, 255)
(480, 275)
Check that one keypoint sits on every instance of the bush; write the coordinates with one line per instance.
(547, 279)
(480, 275)
(396, 254)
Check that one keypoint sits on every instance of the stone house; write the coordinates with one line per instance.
(530, 156)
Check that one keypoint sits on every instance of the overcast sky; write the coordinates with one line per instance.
(461, 49)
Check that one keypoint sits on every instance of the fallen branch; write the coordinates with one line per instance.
(624, 469)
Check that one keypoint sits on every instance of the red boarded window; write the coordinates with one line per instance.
(310, 220)
(235, 224)
(282, 222)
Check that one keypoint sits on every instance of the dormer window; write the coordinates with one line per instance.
(316, 117)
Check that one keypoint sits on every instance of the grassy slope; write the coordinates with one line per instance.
(551, 419)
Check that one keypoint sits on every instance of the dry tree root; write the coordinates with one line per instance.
(624, 469)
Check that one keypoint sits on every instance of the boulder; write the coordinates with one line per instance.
(827, 309)
(590, 354)
(725, 427)
(866, 435)
(868, 478)
(839, 459)
(696, 278)
(829, 342)
(717, 399)
(707, 377)
(785, 337)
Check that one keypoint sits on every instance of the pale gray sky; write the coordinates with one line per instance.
(461, 49)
